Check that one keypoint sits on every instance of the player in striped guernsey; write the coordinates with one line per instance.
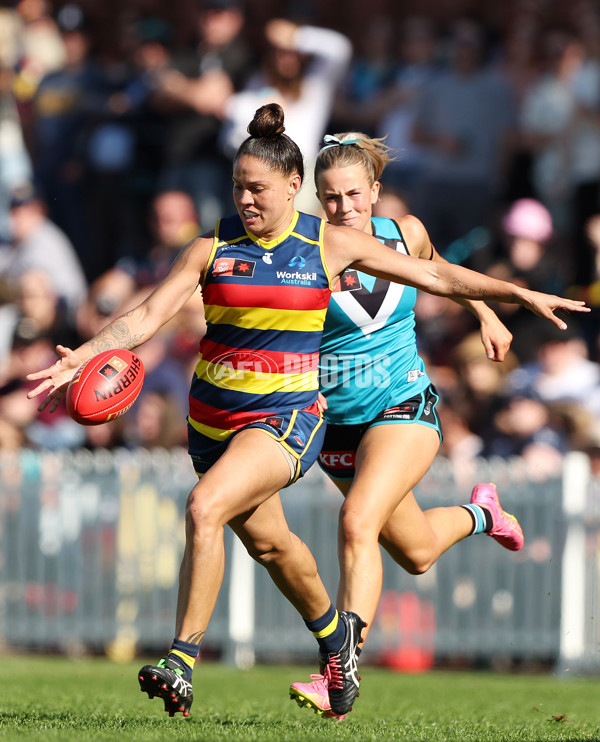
(254, 423)
(265, 303)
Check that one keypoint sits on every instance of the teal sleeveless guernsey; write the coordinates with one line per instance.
(369, 360)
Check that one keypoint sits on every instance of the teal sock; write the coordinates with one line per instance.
(482, 518)
(329, 630)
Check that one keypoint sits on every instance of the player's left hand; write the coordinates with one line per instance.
(496, 338)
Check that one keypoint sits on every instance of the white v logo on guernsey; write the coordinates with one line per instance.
(356, 308)
(361, 318)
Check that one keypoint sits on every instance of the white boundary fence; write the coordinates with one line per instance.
(90, 545)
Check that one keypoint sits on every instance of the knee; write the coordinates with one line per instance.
(419, 564)
(202, 512)
(356, 529)
(414, 561)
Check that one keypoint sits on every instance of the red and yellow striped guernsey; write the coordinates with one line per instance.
(265, 304)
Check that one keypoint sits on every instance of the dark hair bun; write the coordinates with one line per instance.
(267, 121)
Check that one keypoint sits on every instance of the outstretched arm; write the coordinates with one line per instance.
(345, 247)
(130, 329)
(495, 336)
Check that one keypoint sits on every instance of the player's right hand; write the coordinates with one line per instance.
(56, 378)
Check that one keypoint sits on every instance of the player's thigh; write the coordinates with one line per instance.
(252, 469)
(391, 459)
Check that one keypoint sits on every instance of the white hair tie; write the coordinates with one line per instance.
(331, 141)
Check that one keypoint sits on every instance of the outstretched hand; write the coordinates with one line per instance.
(56, 378)
(545, 305)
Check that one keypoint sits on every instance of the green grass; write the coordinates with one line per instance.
(60, 699)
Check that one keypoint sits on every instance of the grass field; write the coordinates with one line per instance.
(59, 699)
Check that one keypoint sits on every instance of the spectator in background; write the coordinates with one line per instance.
(517, 61)
(527, 232)
(41, 48)
(301, 70)
(392, 204)
(592, 292)
(124, 144)
(523, 425)
(372, 69)
(419, 65)
(560, 124)
(155, 422)
(173, 223)
(460, 445)
(561, 372)
(22, 424)
(476, 383)
(38, 243)
(136, 103)
(592, 232)
(15, 165)
(64, 104)
(8, 320)
(107, 298)
(40, 309)
(586, 153)
(527, 258)
(547, 113)
(464, 122)
(194, 92)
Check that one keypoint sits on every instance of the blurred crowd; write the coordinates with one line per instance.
(118, 121)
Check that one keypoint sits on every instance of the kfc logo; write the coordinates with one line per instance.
(337, 459)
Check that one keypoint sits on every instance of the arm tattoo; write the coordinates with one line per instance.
(196, 638)
(115, 335)
(458, 287)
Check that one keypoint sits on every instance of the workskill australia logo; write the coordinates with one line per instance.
(297, 277)
(234, 267)
(297, 262)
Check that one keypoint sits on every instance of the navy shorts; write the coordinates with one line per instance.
(300, 432)
(338, 456)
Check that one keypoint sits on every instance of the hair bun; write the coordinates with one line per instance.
(267, 122)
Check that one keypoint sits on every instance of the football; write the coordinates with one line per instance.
(105, 387)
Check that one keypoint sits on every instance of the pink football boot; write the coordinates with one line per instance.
(314, 695)
(506, 529)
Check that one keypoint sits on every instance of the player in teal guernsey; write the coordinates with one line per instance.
(383, 430)
(369, 357)
(254, 422)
